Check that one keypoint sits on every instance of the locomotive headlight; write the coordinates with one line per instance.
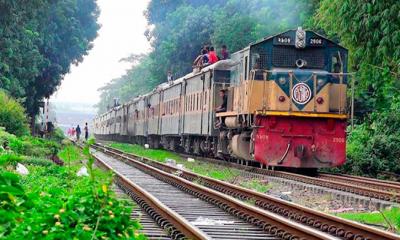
(300, 35)
(320, 82)
(282, 80)
(300, 44)
(300, 38)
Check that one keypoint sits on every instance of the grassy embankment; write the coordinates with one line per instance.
(388, 219)
(51, 201)
(219, 172)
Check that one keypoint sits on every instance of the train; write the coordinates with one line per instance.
(285, 106)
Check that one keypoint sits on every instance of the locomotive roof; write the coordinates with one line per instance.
(268, 38)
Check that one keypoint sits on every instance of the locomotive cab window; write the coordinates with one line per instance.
(337, 64)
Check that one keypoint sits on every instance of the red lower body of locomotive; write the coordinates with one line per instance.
(304, 142)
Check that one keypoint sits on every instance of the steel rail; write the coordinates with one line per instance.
(362, 181)
(177, 226)
(333, 225)
(175, 221)
(272, 223)
(367, 178)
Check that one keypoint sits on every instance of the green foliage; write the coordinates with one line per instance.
(388, 218)
(32, 146)
(9, 159)
(39, 40)
(52, 202)
(371, 31)
(199, 167)
(374, 146)
(12, 115)
(155, 154)
(57, 135)
(256, 185)
(179, 29)
(70, 153)
(13, 201)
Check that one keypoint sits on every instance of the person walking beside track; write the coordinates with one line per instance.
(78, 132)
(86, 129)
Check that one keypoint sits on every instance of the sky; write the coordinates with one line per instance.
(121, 34)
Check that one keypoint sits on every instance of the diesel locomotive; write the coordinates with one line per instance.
(286, 106)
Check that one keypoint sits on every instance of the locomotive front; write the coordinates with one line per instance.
(289, 102)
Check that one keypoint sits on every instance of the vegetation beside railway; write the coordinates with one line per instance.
(228, 174)
(52, 201)
(386, 219)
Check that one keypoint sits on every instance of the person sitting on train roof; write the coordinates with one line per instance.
(212, 56)
(201, 60)
(224, 53)
(205, 58)
(224, 98)
(170, 77)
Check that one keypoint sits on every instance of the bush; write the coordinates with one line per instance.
(374, 146)
(57, 135)
(52, 202)
(12, 115)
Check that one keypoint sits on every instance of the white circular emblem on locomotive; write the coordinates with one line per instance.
(301, 93)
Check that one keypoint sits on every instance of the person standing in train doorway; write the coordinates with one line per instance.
(78, 132)
(86, 129)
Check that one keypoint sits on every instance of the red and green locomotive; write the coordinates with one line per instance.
(285, 98)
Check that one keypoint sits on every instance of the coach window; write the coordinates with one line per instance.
(205, 98)
(190, 102)
(192, 105)
(196, 101)
(174, 106)
(185, 107)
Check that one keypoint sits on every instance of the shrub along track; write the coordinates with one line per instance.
(334, 226)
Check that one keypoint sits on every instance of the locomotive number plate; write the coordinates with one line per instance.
(301, 93)
(339, 140)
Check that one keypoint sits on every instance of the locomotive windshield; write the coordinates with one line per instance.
(298, 49)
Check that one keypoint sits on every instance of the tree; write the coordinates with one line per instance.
(39, 40)
(371, 31)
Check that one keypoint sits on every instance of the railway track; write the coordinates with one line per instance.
(388, 186)
(388, 191)
(189, 205)
(150, 228)
(334, 226)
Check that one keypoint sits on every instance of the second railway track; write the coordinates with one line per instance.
(335, 227)
(388, 191)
